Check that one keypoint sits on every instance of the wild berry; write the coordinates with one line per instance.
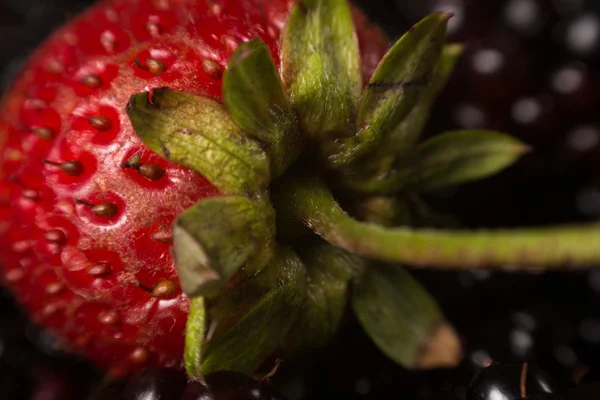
(226, 385)
(511, 382)
(156, 383)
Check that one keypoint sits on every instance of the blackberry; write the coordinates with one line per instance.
(512, 382)
(229, 385)
(156, 383)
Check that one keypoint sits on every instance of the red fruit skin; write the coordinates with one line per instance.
(89, 278)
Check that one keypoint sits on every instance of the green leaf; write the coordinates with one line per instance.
(320, 66)
(449, 159)
(249, 329)
(198, 133)
(329, 272)
(216, 237)
(397, 85)
(405, 134)
(403, 320)
(254, 96)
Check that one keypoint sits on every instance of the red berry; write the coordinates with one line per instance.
(84, 206)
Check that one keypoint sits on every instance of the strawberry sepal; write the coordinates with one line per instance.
(330, 271)
(402, 77)
(448, 159)
(254, 96)
(217, 237)
(248, 321)
(406, 134)
(320, 67)
(198, 132)
(383, 298)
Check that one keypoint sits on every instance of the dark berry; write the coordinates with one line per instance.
(155, 384)
(228, 385)
(589, 391)
(115, 391)
(15, 384)
(496, 70)
(367, 374)
(587, 376)
(573, 85)
(470, 17)
(580, 35)
(540, 332)
(511, 382)
(533, 117)
(484, 288)
(528, 18)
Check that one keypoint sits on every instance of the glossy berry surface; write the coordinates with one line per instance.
(226, 385)
(114, 391)
(156, 383)
(86, 210)
(584, 391)
(504, 382)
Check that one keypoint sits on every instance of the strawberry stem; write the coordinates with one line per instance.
(311, 202)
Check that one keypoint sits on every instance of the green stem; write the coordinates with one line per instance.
(194, 338)
(311, 202)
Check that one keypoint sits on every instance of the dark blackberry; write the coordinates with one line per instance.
(229, 385)
(512, 382)
(351, 368)
(14, 384)
(114, 391)
(584, 392)
(156, 383)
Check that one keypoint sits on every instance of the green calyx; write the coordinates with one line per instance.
(401, 79)
(319, 51)
(248, 322)
(199, 133)
(448, 159)
(384, 297)
(268, 118)
(277, 261)
(209, 251)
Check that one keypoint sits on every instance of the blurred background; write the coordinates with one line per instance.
(531, 68)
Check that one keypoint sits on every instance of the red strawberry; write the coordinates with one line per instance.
(85, 209)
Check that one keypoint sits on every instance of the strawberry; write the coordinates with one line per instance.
(86, 210)
(197, 161)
